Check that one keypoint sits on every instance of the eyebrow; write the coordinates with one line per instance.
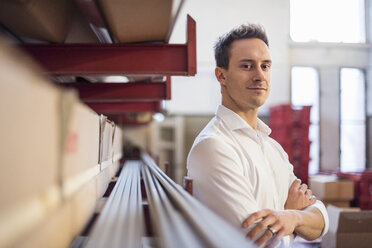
(251, 60)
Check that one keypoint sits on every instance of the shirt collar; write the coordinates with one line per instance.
(234, 121)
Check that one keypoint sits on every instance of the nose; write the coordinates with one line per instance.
(259, 74)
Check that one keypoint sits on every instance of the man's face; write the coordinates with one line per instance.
(246, 83)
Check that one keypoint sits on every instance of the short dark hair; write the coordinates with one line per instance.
(222, 47)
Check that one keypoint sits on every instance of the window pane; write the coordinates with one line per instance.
(314, 149)
(305, 89)
(352, 94)
(305, 92)
(352, 117)
(353, 143)
(327, 21)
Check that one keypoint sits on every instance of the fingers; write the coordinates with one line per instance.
(312, 199)
(265, 237)
(274, 241)
(295, 185)
(255, 216)
(261, 230)
(270, 230)
(303, 188)
(275, 238)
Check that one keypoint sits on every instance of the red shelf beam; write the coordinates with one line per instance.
(147, 91)
(119, 59)
(117, 108)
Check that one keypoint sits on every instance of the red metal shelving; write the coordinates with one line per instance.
(140, 59)
(144, 91)
(118, 59)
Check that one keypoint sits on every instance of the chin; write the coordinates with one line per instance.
(259, 103)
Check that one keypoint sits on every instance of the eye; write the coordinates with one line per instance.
(266, 67)
(247, 66)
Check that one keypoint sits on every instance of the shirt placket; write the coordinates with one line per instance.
(270, 169)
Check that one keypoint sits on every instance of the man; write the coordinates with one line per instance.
(238, 170)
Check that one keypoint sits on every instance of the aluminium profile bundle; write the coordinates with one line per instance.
(121, 221)
(207, 229)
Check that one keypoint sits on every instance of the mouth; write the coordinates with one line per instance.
(257, 88)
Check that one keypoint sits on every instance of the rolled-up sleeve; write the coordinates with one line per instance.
(319, 205)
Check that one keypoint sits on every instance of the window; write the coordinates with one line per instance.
(352, 120)
(305, 92)
(327, 21)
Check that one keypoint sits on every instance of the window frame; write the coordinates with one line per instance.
(363, 70)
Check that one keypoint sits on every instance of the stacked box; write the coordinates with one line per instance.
(29, 145)
(140, 20)
(80, 137)
(49, 157)
(348, 227)
(38, 19)
(290, 127)
(362, 188)
(332, 190)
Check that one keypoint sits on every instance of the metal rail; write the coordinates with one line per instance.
(177, 218)
(206, 226)
(121, 221)
(173, 229)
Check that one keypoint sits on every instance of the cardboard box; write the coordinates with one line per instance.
(39, 19)
(80, 154)
(337, 203)
(107, 129)
(348, 228)
(54, 231)
(83, 204)
(117, 144)
(103, 180)
(140, 20)
(29, 144)
(329, 187)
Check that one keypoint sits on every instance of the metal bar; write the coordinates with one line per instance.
(168, 91)
(153, 91)
(118, 59)
(191, 45)
(96, 21)
(213, 229)
(172, 228)
(115, 59)
(121, 221)
(108, 108)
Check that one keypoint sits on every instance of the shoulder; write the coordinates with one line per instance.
(211, 153)
(208, 143)
(277, 147)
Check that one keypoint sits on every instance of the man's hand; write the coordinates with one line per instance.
(299, 196)
(271, 223)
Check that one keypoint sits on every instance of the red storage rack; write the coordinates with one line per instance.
(293, 132)
(290, 127)
(288, 114)
(362, 188)
(297, 150)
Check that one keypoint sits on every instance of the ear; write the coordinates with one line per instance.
(220, 75)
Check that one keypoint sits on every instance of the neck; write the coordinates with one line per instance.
(249, 115)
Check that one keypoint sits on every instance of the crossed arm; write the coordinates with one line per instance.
(299, 217)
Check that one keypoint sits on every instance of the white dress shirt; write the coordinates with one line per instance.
(237, 170)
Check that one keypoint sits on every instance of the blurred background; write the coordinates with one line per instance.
(86, 85)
